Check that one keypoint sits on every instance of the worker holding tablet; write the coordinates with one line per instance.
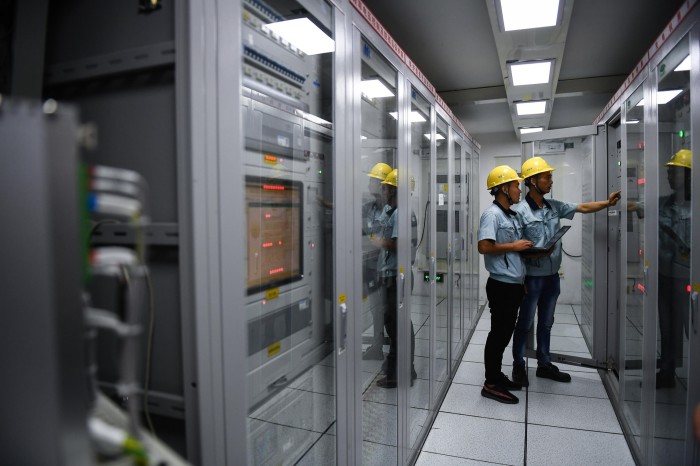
(540, 218)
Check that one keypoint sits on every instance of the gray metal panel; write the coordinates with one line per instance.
(651, 247)
(346, 352)
(692, 452)
(355, 321)
(601, 190)
(42, 331)
(559, 133)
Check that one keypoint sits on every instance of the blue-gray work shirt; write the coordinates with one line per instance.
(502, 226)
(539, 225)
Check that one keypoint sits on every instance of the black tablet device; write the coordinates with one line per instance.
(557, 236)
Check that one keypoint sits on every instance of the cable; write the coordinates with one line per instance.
(422, 233)
(149, 347)
(570, 255)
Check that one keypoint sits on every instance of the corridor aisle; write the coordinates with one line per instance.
(554, 423)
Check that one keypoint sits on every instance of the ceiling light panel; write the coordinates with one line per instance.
(523, 74)
(304, 35)
(685, 65)
(663, 97)
(415, 117)
(531, 108)
(374, 88)
(528, 14)
(530, 130)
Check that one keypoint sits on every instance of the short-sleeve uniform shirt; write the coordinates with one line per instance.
(502, 226)
(539, 225)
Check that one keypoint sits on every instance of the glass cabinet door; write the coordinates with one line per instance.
(443, 234)
(287, 113)
(380, 237)
(633, 267)
(420, 195)
(457, 273)
(673, 226)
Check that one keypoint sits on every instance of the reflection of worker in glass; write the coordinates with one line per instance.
(500, 240)
(387, 265)
(541, 220)
(371, 212)
(674, 265)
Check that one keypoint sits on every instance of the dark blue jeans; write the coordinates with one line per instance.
(541, 294)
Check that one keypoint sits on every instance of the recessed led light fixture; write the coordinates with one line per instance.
(304, 35)
(529, 14)
(416, 117)
(663, 97)
(530, 130)
(685, 65)
(631, 122)
(374, 88)
(522, 74)
(438, 136)
(531, 108)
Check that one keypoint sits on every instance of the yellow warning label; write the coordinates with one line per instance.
(401, 269)
(274, 349)
(444, 187)
(272, 293)
(696, 287)
(342, 298)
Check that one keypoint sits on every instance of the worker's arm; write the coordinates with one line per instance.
(595, 206)
(488, 246)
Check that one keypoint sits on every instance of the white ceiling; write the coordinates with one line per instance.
(455, 46)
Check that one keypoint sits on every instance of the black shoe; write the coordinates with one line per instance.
(386, 382)
(506, 383)
(520, 376)
(373, 353)
(498, 393)
(665, 380)
(552, 372)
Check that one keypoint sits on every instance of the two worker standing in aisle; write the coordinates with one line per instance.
(530, 283)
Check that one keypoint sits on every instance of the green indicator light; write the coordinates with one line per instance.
(681, 134)
(619, 163)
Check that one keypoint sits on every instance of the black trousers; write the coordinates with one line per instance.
(504, 301)
(391, 325)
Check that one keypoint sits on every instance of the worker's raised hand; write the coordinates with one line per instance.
(614, 197)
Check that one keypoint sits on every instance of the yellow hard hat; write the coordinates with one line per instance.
(392, 178)
(500, 175)
(379, 171)
(682, 158)
(535, 166)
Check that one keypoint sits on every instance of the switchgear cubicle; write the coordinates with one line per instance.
(634, 278)
(297, 212)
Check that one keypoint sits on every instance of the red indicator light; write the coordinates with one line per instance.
(641, 288)
(277, 270)
(268, 215)
(687, 288)
(640, 145)
(279, 242)
(641, 181)
(273, 187)
(641, 252)
(270, 158)
(267, 245)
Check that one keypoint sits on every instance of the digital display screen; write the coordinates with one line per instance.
(274, 215)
